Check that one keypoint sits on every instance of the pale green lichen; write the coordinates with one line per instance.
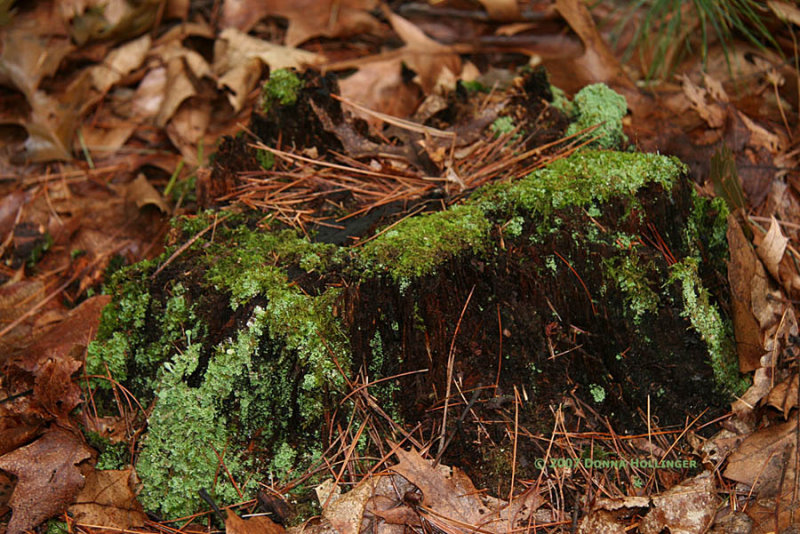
(598, 105)
(635, 281)
(708, 323)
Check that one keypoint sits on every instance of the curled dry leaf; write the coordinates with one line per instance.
(345, 512)
(119, 63)
(743, 268)
(48, 477)
(598, 63)
(142, 192)
(784, 395)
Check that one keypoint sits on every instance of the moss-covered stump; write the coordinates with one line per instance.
(593, 279)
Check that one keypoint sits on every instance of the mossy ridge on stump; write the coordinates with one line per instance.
(254, 358)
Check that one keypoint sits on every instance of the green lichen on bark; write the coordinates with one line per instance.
(597, 105)
(273, 377)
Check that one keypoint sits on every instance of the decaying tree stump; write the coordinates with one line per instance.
(595, 285)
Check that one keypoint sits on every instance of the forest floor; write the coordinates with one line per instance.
(120, 118)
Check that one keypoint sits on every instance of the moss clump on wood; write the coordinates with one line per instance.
(242, 340)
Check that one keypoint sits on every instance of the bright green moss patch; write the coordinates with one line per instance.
(598, 105)
(282, 88)
(417, 246)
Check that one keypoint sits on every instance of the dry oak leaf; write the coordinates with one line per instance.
(108, 500)
(743, 267)
(48, 478)
(307, 18)
(255, 525)
(454, 499)
(765, 458)
(686, 508)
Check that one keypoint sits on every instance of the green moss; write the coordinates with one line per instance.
(265, 158)
(561, 102)
(417, 246)
(111, 455)
(288, 345)
(708, 323)
(597, 104)
(282, 88)
(503, 125)
(635, 281)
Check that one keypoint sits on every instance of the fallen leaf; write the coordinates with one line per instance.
(48, 478)
(784, 395)
(307, 18)
(47, 363)
(688, 507)
(742, 268)
(502, 10)
(188, 126)
(119, 63)
(346, 511)
(455, 499)
(379, 86)
(144, 194)
(432, 61)
(785, 11)
(598, 63)
(28, 57)
(764, 459)
(108, 500)
(711, 112)
(772, 248)
(255, 525)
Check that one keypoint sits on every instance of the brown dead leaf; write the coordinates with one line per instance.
(307, 18)
(238, 60)
(255, 525)
(143, 194)
(52, 356)
(28, 57)
(772, 248)
(120, 62)
(379, 86)
(742, 268)
(688, 507)
(764, 459)
(345, 512)
(109, 500)
(785, 11)
(710, 111)
(435, 64)
(181, 84)
(455, 499)
(598, 63)
(602, 521)
(188, 126)
(502, 10)
(47, 477)
(784, 395)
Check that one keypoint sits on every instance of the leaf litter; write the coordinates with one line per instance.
(168, 95)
